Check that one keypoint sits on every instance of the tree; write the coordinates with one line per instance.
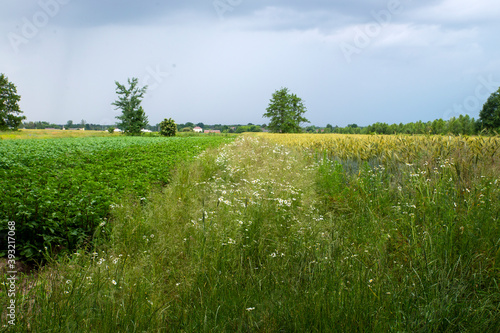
(168, 127)
(133, 118)
(490, 114)
(285, 111)
(9, 105)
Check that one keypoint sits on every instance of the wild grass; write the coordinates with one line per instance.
(258, 237)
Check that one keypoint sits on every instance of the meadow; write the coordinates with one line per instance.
(290, 233)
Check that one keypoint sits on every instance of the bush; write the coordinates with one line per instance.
(168, 127)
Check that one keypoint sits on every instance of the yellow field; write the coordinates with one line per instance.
(47, 134)
(400, 148)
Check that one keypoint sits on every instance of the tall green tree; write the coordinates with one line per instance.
(489, 116)
(286, 112)
(10, 117)
(133, 118)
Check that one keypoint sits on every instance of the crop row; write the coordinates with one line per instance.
(59, 191)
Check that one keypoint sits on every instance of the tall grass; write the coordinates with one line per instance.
(256, 237)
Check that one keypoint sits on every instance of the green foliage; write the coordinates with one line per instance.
(490, 114)
(133, 118)
(9, 105)
(285, 111)
(248, 128)
(463, 125)
(256, 237)
(111, 130)
(168, 127)
(59, 191)
(237, 245)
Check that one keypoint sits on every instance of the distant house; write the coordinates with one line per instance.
(145, 130)
(211, 131)
(198, 129)
(117, 130)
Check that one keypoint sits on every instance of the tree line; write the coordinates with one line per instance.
(285, 112)
(462, 125)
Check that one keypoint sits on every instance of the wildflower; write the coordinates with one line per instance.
(250, 309)
(114, 282)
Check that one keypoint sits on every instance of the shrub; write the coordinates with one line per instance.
(168, 127)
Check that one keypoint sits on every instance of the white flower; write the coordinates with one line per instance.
(250, 309)
(114, 282)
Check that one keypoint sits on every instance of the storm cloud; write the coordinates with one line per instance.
(220, 61)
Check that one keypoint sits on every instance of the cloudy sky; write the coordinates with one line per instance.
(351, 61)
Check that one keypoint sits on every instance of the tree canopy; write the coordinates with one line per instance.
(285, 111)
(10, 117)
(133, 118)
(490, 114)
(168, 127)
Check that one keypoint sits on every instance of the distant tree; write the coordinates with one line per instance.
(490, 114)
(310, 129)
(168, 127)
(248, 128)
(133, 118)
(111, 129)
(69, 124)
(454, 126)
(285, 111)
(437, 126)
(202, 125)
(9, 105)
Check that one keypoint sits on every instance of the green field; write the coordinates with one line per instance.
(60, 190)
(256, 236)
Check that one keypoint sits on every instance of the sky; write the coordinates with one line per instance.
(220, 61)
